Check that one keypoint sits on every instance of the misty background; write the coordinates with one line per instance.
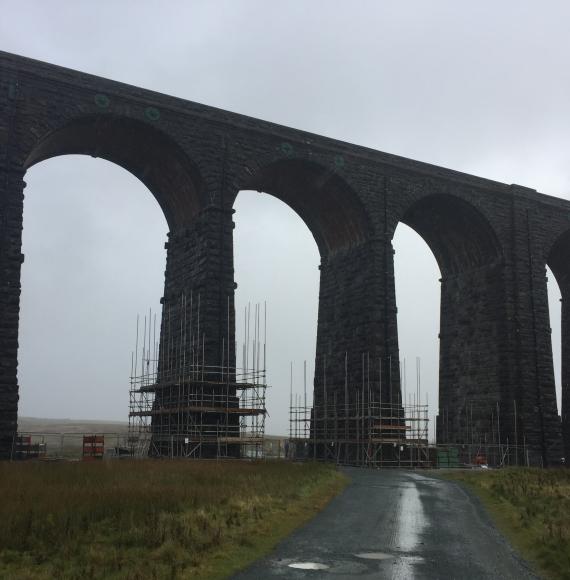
(482, 88)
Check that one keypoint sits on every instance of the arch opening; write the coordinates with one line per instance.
(88, 272)
(554, 312)
(144, 151)
(469, 257)
(323, 200)
(276, 261)
(558, 263)
(416, 274)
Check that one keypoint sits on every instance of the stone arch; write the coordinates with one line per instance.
(320, 196)
(459, 235)
(144, 151)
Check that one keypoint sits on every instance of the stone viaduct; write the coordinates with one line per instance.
(492, 242)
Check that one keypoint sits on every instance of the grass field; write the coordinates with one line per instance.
(151, 519)
(532, 508)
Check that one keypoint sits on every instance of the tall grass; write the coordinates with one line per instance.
(532, 506)
(144, 519)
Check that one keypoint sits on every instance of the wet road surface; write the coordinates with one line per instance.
(399, 525)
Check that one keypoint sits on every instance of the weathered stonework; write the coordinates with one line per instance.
(492, 242)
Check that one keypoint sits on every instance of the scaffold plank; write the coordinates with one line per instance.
(197, 409)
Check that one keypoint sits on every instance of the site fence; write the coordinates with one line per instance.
(68, 446)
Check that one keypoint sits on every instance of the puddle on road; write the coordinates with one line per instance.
(309, 566)
(374, 556)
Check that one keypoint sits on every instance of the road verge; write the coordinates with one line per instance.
(531, 507)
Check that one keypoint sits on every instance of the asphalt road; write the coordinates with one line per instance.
(399, 525)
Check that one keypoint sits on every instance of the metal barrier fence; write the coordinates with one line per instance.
(68, 446)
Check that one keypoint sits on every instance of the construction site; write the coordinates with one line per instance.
(181, 407)
(368, 424)
(385, 435)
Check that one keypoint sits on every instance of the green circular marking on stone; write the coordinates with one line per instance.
(102, 101)
(152, 114)
(286, 148)
(339, 161)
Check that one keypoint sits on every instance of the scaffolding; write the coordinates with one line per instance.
(354, 425)
(207, 412)
(182, 407)
(373, 435)
(387, 435)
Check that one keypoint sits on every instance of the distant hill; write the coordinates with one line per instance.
(64, 437)
(40, 425)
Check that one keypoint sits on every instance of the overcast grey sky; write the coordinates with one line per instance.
(481, 87)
